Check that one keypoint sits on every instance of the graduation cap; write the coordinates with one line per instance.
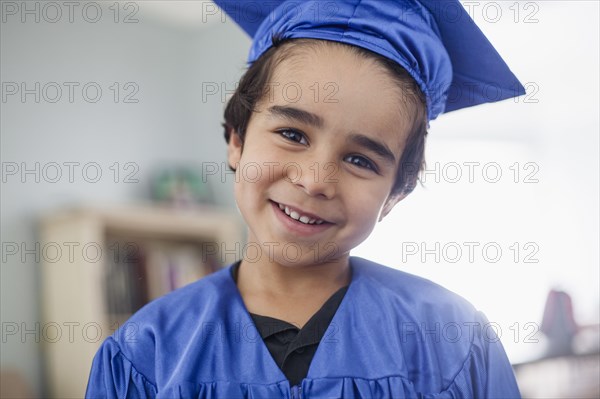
(436, 41)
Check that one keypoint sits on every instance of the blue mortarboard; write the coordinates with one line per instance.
(436, 41)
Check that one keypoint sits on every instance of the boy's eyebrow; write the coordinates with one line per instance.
(297, 114)
(308, 118)
(376, 146)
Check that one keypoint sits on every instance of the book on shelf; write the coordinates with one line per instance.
(134, 278)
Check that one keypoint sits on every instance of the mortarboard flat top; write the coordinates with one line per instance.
(436, 41)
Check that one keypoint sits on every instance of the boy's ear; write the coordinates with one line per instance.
(234, 149)
(391, 201)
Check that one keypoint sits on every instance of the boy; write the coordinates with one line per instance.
(300, 317)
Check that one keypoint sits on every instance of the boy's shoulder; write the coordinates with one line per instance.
(157, 335)
(418, 295)
(177, 312)
(187, 301)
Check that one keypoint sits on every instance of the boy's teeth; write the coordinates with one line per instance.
(296, 216)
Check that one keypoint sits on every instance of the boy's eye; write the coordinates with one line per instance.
(293, 135)
(361, 162)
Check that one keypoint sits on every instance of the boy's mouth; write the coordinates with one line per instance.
(300, 216)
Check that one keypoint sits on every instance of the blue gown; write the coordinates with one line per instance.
(394, 335)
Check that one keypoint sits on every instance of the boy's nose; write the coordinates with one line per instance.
(316, 179)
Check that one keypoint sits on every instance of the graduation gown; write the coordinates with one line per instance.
(394, 335)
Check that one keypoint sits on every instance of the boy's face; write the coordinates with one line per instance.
(325, 142)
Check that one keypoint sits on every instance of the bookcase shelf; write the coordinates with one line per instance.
(100, 264)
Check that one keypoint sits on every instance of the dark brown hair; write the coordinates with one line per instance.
(253, 86)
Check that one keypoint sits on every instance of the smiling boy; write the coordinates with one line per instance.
(328, 160)
(301, 318)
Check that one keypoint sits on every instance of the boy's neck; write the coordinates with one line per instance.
(286, 287)
(281, 280)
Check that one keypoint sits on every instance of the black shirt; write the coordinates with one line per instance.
(293, 348)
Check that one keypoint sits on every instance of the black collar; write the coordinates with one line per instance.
(310, 334)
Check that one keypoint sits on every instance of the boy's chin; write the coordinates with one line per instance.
(295, 254)
(311, 259)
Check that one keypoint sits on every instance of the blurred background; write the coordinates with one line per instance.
(115, 191)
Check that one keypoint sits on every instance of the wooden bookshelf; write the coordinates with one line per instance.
(95, 271)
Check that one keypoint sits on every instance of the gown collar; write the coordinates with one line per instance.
(331, 339)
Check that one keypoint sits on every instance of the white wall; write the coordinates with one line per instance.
(555, 128)
(170, 123)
